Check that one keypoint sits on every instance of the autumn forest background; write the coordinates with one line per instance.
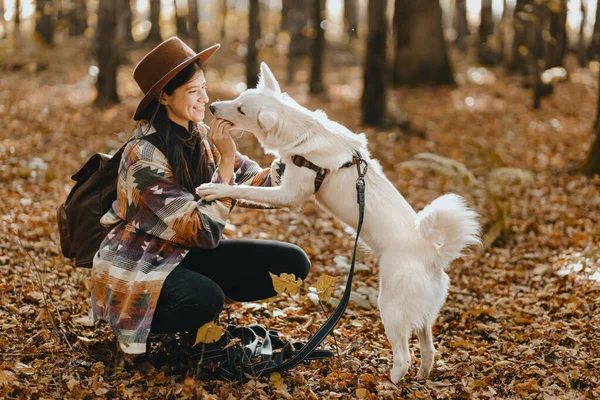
(494, 100)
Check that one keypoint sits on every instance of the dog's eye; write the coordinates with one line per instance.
(240, 110)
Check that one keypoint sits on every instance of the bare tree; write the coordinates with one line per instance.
(462, 25)
(193, 21)
(253, 36)
(558, 32)
(296, 17)
(594, 52)
(416, 63)
(351, 18)
(224, 12)
(582, 47)
(154, 35)
(374, 97)
(316, 77)
(108, 51)
(45, 20)
(2, 20)
(126, 18)
(401, 25)
(181, 17)
(17, 15)
(489, 49)
(77, 17)
(591, 165)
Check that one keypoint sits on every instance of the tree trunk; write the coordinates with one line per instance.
(193, 21)
(224, 11)
(558, 32)
(77, 18)
(17, 15)
(108, 51)
(2, 20)
(127, 10)
(253, 36)
(45, 20)
(154, 35)
(351, 18)
(297, 21)
(181, 20)
(582, 46)
(417, 64)
(538, 50)
(595, 44)
(462, 25)
(502, 31)
(374, 97)
(591, 166)
(316, 77)
(488, 50)
(401, 27)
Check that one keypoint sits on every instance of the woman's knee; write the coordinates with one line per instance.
(187, 300)
(298, 261)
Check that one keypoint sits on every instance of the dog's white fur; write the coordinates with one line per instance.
(414, 249)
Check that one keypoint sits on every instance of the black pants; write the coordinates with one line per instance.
(194, 292)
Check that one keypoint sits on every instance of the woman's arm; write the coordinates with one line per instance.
(159, 206)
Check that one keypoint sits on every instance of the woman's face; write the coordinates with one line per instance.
(187, 102)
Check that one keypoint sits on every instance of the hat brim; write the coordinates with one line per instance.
(203, 56)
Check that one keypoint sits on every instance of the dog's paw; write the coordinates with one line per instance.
(423, 375)
(398, 373)
(212, 191)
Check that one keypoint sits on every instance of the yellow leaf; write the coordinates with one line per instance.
(325, 286)
(208, 333)
(361, 393)
(286, 283)
(461, 344)
(276, 377)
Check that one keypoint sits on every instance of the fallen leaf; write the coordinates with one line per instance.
(325, 286)
(286, 283)
(208, 333)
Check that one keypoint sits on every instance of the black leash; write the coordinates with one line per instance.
(238, 365)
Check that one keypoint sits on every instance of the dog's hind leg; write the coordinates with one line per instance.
(427, 350)
(401, 363)
(398, 333)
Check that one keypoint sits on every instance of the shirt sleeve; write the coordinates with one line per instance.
(167, 210)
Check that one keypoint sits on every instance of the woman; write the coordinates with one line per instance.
(162, 268)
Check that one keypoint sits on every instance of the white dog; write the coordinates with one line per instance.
(414, 249)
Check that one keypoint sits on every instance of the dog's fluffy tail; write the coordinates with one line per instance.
(450, 225)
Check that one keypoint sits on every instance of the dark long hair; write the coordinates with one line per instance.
(173, 145)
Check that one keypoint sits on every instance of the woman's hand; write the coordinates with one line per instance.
(221, 138)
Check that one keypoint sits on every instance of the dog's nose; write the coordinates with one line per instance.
(212, 109)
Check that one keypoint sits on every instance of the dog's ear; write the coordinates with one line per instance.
(267, 79)
(267, 120)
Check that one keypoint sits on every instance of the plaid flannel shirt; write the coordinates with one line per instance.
(155, 222)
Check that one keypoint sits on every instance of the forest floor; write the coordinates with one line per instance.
(522, 318)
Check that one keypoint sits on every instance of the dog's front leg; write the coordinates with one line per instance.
(279, 196)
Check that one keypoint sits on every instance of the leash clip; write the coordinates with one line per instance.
(360, 181)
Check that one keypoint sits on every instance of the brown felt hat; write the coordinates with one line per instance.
(161, 64)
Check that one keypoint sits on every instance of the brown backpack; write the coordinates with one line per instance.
(92, 196)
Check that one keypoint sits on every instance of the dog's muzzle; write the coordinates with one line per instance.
(212, 109)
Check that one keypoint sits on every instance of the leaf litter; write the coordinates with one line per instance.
(522, 317)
